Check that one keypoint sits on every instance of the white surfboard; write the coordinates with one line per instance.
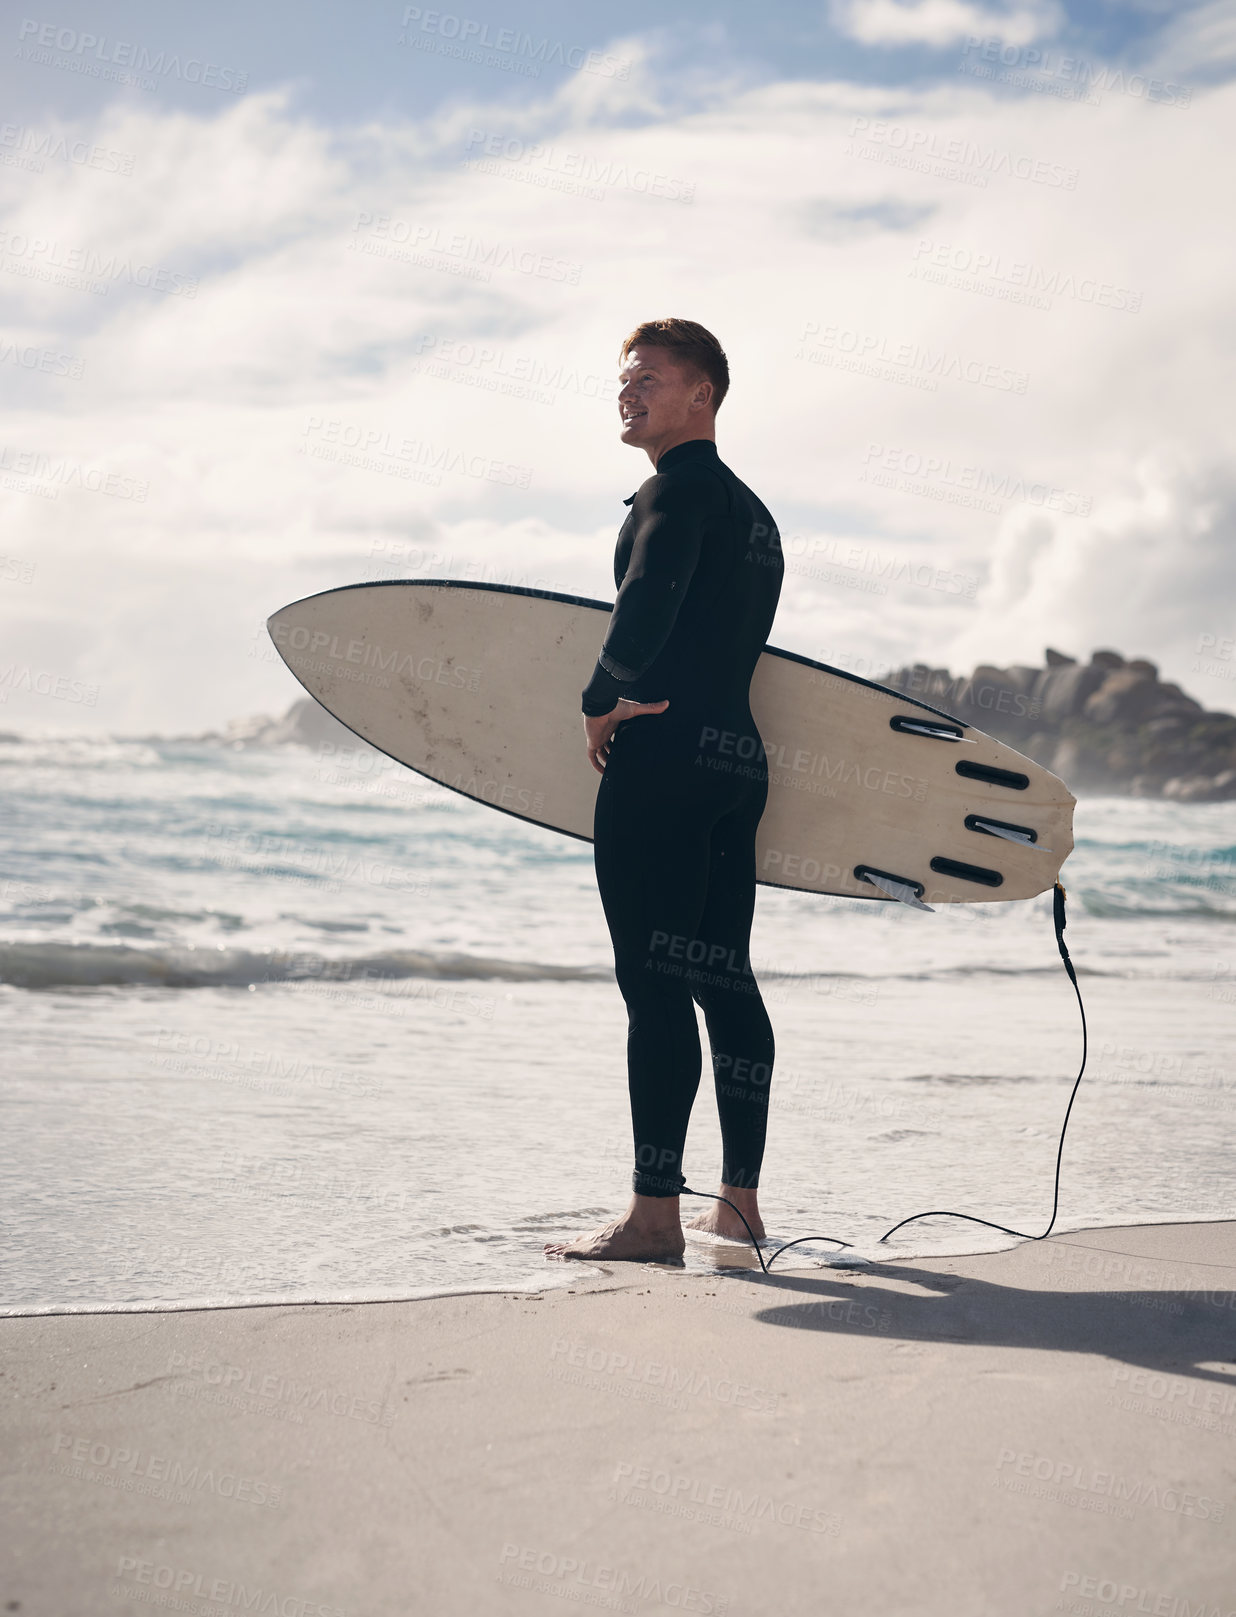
(872, 794)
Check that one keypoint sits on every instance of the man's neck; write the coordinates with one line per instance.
(706, 430)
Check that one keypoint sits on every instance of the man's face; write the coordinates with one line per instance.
(658, 400)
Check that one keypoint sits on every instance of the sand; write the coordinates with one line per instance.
(1045, 1429)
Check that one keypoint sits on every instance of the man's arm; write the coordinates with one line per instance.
(669, 514)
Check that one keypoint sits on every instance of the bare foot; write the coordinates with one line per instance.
(639, 1236)
(718, 1219)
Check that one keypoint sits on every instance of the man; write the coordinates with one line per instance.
(698, 568)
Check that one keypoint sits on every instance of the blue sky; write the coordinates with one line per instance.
(327, 294)
(345, 65)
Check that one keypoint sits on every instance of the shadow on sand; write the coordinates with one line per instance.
(1176, 1332)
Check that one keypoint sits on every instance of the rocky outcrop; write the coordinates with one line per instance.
(1109, 725)
(306, 723)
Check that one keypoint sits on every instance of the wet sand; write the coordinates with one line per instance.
(1043, 1429)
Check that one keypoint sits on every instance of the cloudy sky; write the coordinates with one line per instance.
(298, 296)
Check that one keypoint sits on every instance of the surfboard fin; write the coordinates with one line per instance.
(934, 732)
(1021, 837)
(901, 891)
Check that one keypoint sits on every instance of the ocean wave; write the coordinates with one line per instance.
(1171, 905)
(1185, 849)
(75, 752)
(49, 965)
(91, 965)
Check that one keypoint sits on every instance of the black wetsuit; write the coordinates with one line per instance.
(698, 568)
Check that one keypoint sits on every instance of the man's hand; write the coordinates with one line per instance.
(600, 728)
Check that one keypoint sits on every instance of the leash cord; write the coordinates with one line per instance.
(1058, 920)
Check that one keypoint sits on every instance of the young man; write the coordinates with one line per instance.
(698, 568)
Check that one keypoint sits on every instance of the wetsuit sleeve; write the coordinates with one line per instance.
(669, 514)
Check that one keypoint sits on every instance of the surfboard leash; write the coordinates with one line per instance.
(1058, 919)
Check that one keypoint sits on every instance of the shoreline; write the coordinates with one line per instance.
(1037, 1429)
(730, 1255)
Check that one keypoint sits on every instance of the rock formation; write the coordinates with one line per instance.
(306, 723)
(1109, 725)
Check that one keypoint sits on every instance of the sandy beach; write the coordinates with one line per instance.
(1036, 1430)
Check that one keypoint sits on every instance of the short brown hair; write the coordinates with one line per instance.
(691, 346)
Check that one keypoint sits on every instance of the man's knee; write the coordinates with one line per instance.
(725, 993)
(648, 979)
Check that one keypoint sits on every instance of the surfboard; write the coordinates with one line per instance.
(872, 794)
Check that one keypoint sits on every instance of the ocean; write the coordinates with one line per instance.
(290, 1024)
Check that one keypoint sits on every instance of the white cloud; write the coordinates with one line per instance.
(814, 205)
(1198, 40)
(941, 23)
(1151, 572)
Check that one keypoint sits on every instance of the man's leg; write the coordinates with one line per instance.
(651, 847)
(739, 1031)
